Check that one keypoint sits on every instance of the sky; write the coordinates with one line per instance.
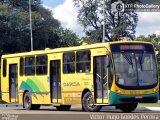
(52, 3)
(66, 13)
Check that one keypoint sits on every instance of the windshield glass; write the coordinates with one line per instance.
(135, 69)
(146, 66)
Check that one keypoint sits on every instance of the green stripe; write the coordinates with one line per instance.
(34, 86)
(114, 98)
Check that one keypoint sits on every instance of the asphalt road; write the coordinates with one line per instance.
(75, 113)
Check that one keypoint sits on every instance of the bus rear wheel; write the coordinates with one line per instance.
(63, 107)
(128, 107)
(88, 103)
(27, 102)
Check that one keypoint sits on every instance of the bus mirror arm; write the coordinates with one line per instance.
(108, 59)
(107, 63)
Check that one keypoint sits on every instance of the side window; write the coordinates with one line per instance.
(30, 65)
(69, 62)
(41, 64)
(83, 61)
(21, 66)
(4, 68)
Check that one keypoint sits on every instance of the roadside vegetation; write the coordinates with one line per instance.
(15, 28)
(149, 105)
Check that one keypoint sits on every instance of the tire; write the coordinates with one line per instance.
(128, 107)
(88, 103)
(27, 102)
(63, 107)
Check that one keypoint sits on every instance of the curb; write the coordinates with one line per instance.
(153, 108)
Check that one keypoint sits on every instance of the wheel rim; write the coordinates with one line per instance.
(27, 101)
(90, 102)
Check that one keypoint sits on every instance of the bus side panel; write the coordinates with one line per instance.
(5, 89)
(5, 97)
(73, 84)
(37, 86)
(5, 86)
(41, 93)
(72, 87)
(20, 97)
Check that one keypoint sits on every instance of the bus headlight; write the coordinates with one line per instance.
(155, 90)
(118, 91)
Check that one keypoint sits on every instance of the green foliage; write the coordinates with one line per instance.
(151, 38)
(21, 5)
(15, 28)
(69, 38)
(117, 24)
(149, 105)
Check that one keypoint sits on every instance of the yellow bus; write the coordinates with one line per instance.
(120, 74)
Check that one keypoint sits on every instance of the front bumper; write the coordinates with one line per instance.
(115, 98)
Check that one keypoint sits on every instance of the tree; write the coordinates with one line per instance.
(15, 28)
(22, 5)
(16, 31)
(151, 38)
(117, 24)
(69, 38)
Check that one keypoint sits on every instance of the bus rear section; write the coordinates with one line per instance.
(136, 76)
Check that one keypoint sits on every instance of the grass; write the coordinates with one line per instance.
(149, 105)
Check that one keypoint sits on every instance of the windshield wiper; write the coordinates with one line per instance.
(141, 60)
(128, 58)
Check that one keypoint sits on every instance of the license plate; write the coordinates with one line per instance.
(138, 97)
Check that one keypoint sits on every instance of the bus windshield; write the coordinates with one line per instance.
(135, 68)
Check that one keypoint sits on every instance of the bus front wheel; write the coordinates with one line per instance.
(128, 107)
(27, 102)
(88, 103)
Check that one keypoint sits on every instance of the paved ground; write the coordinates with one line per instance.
(75, 113)
(78, 110)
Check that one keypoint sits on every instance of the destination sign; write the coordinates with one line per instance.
(128, 47)
(132, 47)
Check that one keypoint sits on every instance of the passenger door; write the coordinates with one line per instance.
(100, 80)
(55, 81)
(13, 83)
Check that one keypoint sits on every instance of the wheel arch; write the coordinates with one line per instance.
(85, 91)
